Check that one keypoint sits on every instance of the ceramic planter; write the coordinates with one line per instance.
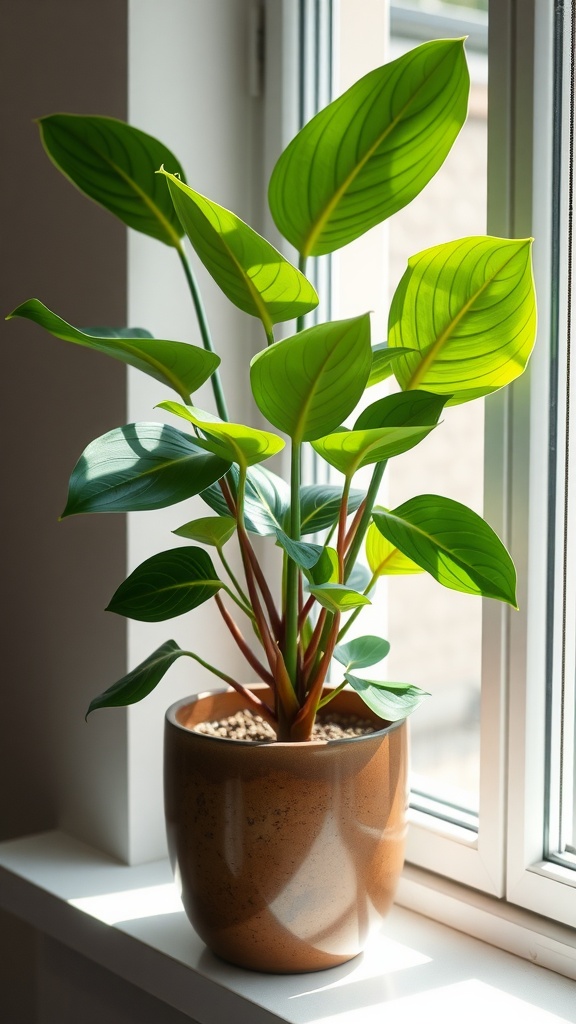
(287, 854)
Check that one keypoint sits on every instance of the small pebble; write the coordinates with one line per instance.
(245, 725)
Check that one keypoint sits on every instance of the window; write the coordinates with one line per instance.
(508, 827)
(510, 831)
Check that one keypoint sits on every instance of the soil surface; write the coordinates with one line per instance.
(245, 725)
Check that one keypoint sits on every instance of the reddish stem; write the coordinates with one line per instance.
(302, 727)
(354, 525)
(246, 651)
(314, 641)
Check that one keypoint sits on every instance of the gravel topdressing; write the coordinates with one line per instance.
(245, 725)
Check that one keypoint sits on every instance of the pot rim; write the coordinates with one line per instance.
(171, 712)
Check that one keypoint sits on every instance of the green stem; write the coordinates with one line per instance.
(250, 697)
(302, 268)
(245, 600)
(269, 335)
(291, 635)
(204, 332)
(357, 611)
(341, 542)
(333, 693)
(364, 523)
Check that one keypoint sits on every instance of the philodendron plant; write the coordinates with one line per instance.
(461, 325)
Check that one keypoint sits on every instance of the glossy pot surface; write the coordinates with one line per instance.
(288, 854)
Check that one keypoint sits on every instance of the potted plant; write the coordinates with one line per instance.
(327, 815)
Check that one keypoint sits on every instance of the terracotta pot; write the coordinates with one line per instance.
(287, 854)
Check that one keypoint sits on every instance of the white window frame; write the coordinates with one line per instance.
(541, 885)
(504, 858)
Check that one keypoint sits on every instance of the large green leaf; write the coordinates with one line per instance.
(167, 584)
(308, 384)
(372, 150)
(139, 467)
(391, 701)
(452, 543)
(384, 558)
(250, 271)
(244, 445)
(349, 450)
(320, 506)
(115, 164)
(179, 366)
(266, 501)
(140, 681)
(469, 308)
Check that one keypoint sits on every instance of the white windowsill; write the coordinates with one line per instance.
(128, 920)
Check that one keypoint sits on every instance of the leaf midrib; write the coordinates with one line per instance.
(436, 347)
(441, 547)
(324, 217)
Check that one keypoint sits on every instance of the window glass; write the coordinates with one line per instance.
(436, 633)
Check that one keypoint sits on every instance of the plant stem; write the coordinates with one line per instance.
(285, 697)
(292, 574)
(341, 542)
(204, 332)
(241, 642)
(275, 621)
(245, 601)
(356, 611)
(302, 727)
(315, 640)
(333, 693)
(251, 698)
(251, 554)
(364, 523)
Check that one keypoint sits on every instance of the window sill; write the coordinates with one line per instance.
(128, 920)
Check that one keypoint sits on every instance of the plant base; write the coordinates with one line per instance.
(288, 854)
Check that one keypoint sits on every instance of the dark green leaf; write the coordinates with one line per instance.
(320, 506)
(139, 467)
(179, 366)
(250, 271)
(307, 385)
(304, 555)
(115, 164)
(453, 544)
(167, 584)
(362, 652)
(391, 701)
(469, 308)
(326, 569)
(372, 150)
(212, 530)
(140, 681)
